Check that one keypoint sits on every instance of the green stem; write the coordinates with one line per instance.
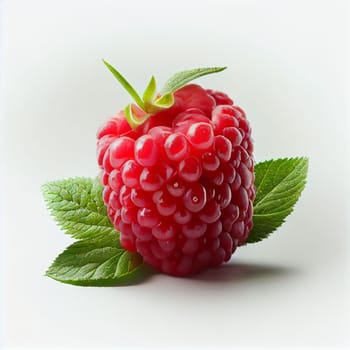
(132, 92)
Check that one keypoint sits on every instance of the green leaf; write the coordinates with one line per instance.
(279, 184)
(182, 78)
(97, 261)
(127, 86)
(77, 206)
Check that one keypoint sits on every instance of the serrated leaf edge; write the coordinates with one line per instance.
(110, 281)
(105, 229)
(304, 164)
(301, 165)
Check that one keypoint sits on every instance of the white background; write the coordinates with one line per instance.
(288, 68)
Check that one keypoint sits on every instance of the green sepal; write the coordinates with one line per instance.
(180, 79)
(152, 103)
(150, 90)
(164, 101)
(134, 120)
(125, 84)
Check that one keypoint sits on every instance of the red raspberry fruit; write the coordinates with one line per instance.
(179, 186)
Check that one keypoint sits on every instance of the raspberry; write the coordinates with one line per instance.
(180, 187)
